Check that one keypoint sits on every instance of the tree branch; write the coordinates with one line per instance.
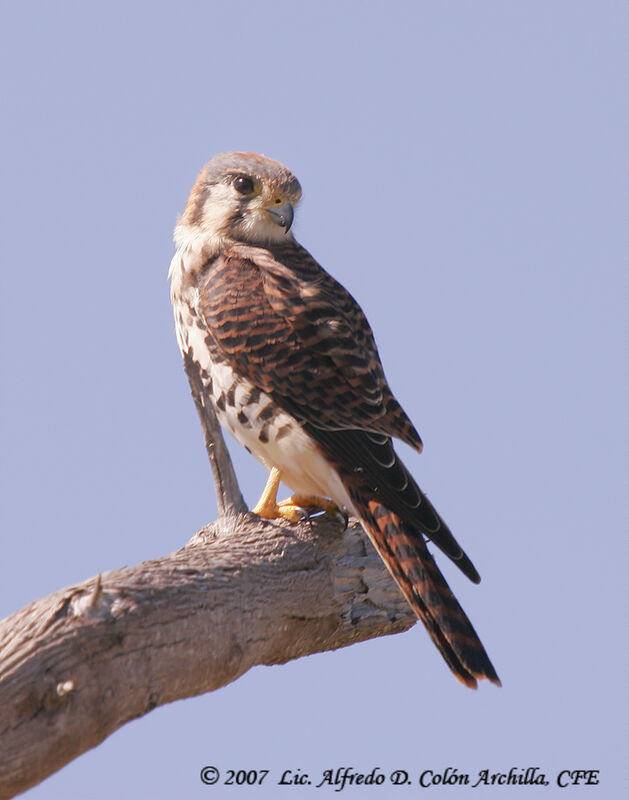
(78, 664)
(229, 498)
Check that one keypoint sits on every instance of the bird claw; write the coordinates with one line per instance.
(284, 510)
(314, 507)
(297, 508)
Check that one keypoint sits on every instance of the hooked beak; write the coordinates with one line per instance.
(282, 215)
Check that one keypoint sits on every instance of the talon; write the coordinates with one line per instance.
(296, 508)
(293, 513)
(344, 517)
(313, 505)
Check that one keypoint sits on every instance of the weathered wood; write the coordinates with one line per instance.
(78, 664)
(229, 498)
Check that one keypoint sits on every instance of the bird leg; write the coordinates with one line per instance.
(267, 506)
(292, 509)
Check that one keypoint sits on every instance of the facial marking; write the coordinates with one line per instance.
(233, 195)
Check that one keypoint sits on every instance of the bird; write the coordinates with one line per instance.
(288, 361)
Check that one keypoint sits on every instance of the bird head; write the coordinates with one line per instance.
(243, 197)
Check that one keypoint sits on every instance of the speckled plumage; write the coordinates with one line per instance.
(289, 362)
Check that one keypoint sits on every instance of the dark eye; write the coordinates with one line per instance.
(243, 185)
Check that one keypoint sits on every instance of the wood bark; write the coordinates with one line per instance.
(78, 664)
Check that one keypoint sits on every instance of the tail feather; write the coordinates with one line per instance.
(404, 551)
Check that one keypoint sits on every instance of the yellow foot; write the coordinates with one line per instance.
(282, 510)
(312, 504)
(267, 506)
(296, 508)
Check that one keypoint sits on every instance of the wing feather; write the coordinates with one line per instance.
(298, 334)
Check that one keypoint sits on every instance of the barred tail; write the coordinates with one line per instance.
(404, 551)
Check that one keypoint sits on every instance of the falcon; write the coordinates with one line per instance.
(287, 359)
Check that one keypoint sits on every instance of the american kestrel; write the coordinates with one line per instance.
(288, 360)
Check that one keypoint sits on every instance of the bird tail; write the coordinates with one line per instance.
(404, 551)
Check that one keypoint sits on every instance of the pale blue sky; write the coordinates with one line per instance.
(462, 174)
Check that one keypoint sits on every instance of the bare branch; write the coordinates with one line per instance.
(77, 665)
(229, 498)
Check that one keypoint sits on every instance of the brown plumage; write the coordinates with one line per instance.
(289, 360)
(407, 558)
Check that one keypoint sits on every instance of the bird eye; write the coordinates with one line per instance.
(243, 185)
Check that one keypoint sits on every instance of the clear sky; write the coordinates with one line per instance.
(462, 174)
